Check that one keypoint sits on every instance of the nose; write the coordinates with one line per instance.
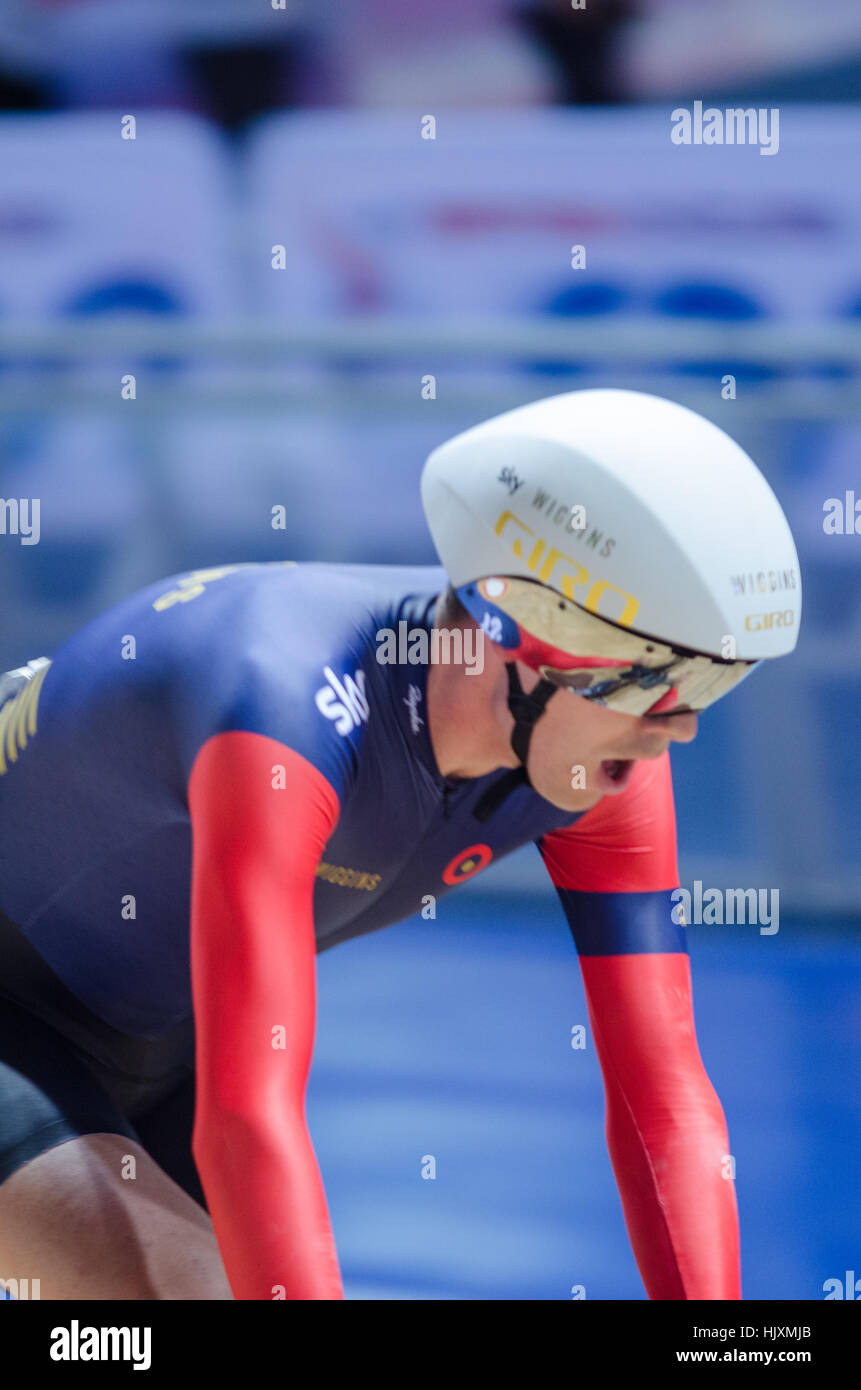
(679, 728)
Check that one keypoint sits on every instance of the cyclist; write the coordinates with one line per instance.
(243, 766)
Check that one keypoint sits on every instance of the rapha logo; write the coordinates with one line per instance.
(411, 700)
(346, 703)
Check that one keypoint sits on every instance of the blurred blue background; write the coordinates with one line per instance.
(300, 382)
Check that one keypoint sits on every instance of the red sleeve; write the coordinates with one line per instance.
(261, 815)
(614, 871)
(666, 1131)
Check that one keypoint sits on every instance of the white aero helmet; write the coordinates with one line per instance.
(618, 543)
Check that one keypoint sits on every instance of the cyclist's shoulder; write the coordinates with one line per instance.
(236, 612)
(292, 657)
(307, 606)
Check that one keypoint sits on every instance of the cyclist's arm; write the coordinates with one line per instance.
(666, 1132)
(257, 839)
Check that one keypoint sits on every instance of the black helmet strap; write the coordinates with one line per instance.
(527, 709)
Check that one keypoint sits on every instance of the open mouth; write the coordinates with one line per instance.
(617, 771)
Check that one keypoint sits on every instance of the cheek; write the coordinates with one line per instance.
(589, 728)
(575, 731)
(563, 737)
(571, 719)
(562, 758)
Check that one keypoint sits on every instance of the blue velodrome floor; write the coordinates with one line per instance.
(450, 1038)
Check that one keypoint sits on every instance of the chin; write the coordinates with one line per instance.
(574, 801)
